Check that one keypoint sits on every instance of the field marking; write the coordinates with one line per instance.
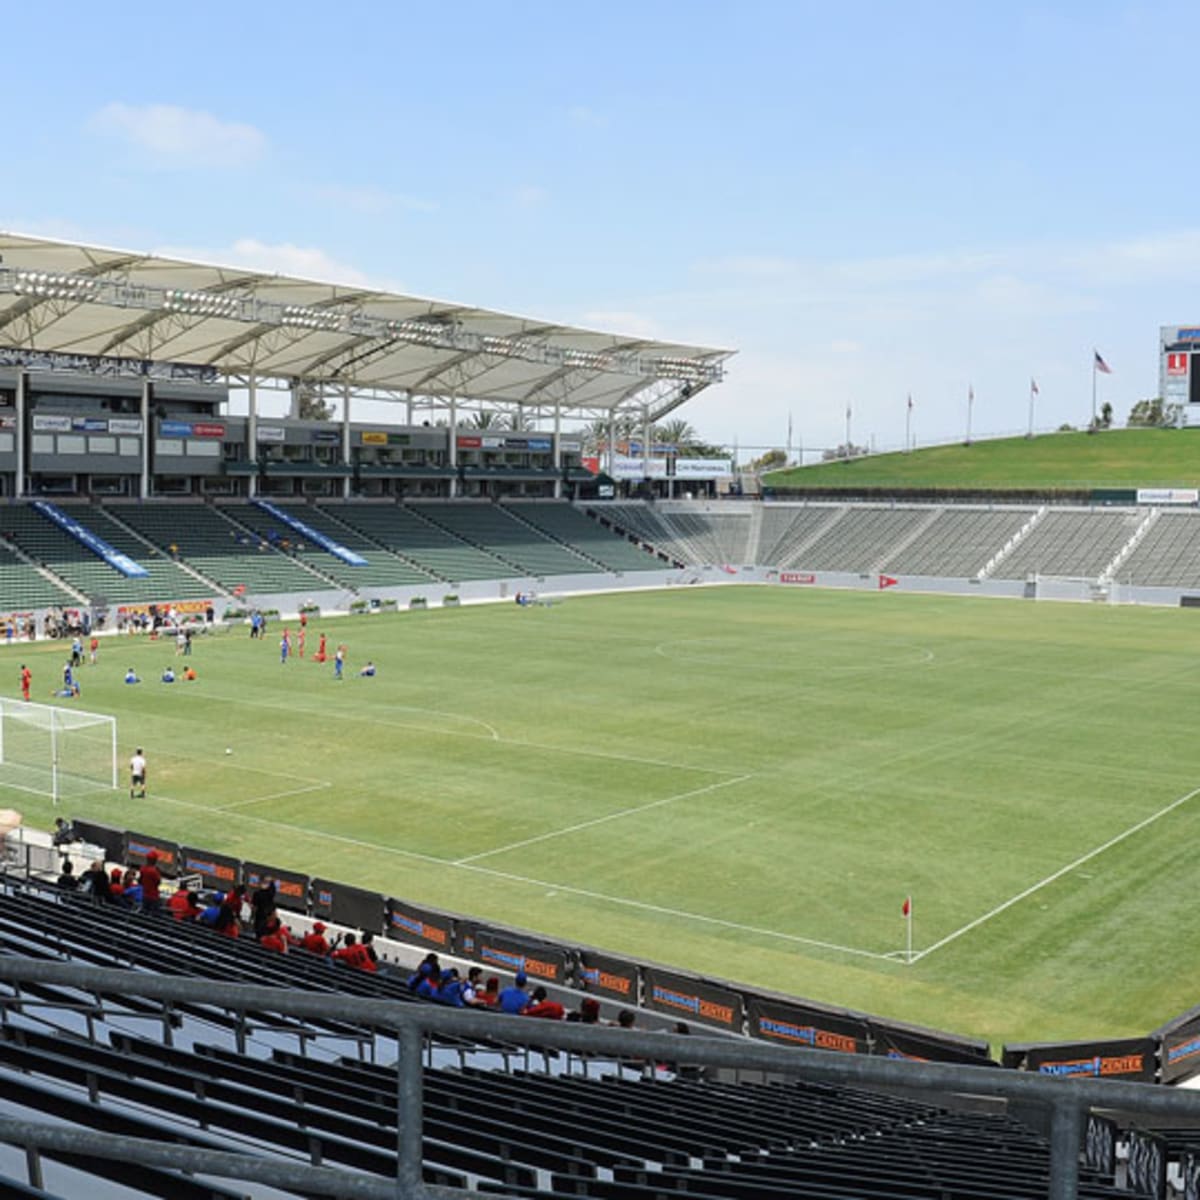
(544, 884)
(361, 719)
(1071, 866)
(235, 804)
(437, 712)
(612, 816)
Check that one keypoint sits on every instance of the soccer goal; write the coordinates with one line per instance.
(63, 753)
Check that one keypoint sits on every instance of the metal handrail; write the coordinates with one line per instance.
(1066, 1099)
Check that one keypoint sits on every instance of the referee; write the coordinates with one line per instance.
(137, 774)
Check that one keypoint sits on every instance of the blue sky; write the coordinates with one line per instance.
(864, 199)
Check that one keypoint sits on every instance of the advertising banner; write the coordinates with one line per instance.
(638, 468)
(89, 424)
(271, 433)
(373, 437)
(216, 871)
(1121, 1058)
(1168, 495)
(49, 423)
(512, 952)
(291, 889)
(1179, 1049)
(124, 425)
(326, 437)
(804, 577)
(313, 535)
(97, 545)
(139, 845)
(569, 445)
(408, 923)
(468, 443)
(703, 468)
(692, 999)
(175, 429)
(602, 975)
(921, 1045)
(110, 840)
(346, 905)
(802, 1025)
(207, 429)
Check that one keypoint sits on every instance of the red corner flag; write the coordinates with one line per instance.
(887, 581)
(906, 907)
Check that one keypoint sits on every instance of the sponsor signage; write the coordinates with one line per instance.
(511, 952)
(542, 444)
(591, 462)
(89, 424)
(811, 1028)
(326, 437)
(291, 889)
(208, 429)
(468, 443)
(605, 976)
(373, 437)
(638, 468)
(408, 923)
(271, 433)
(46, 423)
(797, 577)
(124, 425)
(313, 535)
(175, 608)
(570, 446)
(1124, 1058)
(1168, 495)
(217, 871)
(174, 429)
(138, 846)
(693, 1000)
(920, 1045)
(492, 443)
(346, 905)
(8, 422)
(97, 545)
(1188, 333)
(1177, 364)
(702, 468)
(1181, 1052)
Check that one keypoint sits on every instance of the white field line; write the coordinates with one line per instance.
(360, 719)
(1071, 866)
(300, 791)
(542, 884)
(612, 816)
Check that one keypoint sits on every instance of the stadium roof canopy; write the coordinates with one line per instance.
(62, 298)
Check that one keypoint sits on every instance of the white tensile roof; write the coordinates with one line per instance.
(66, 298)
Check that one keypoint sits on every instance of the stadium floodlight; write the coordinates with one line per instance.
(297, 315)
(201, 304)
(424, 333)
(508, 347)
(51, 285)
(690, 369)
(63, 753)
(588, 359)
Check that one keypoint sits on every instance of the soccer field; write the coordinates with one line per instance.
(746, 782)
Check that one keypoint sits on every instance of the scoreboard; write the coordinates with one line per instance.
(1179, 369)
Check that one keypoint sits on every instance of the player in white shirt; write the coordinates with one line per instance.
(137, 774)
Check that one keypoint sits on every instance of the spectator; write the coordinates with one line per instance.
(429, 968)
(95, 881)
(471, 994)
(183, 905)
(515, 999)
(626, 1019)
(64, 835)
(355, 954)
(540, 1006)
(262, 905)
(314, 940)
(588, 1012)
(151, 881)
(275, 936)
(490, 996)
(451, 990)
(68, 881)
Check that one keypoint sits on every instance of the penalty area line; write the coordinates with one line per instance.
(1071, 866)
(300, 791)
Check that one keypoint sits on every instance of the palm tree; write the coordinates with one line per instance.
(676, 435)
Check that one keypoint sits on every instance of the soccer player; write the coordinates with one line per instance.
(137, 774)
(285, 646)
(94, 648)
(131, 676)
(168, 676)
(339, 662)
(26, 680)
(368, 672)
(320, 655)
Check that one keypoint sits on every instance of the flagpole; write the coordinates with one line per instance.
(1032, 393)
(970, 406)
(1094, 389)
(908, 426)
(848, 442)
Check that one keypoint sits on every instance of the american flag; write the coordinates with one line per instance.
(1033, 387)
(1101, 365)
(910, 401)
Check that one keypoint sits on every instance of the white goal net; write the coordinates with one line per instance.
(63, 753)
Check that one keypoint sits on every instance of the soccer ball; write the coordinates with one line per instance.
(228, 749)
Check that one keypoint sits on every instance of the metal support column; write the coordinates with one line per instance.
(346, 481)
(252, 431)
(453, 435)
(558, 483)
(22, 435)
(147, 438)
(409, 1084)
(1066, 1138)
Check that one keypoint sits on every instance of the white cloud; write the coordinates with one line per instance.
(284, 258)
(170, 136)
(373, 201)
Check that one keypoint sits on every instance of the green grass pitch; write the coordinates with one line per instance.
(745, 782)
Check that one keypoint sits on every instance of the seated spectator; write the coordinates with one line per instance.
(314, 940)
(490, 996)
(95, 880)
(189, 675)
(515, 999)
(68, 880)
(64, 835)
(626, 1019)
(168, 676)
(355, 954)
(588, 1012)
(429, 967)
(116, 883)
(471, 993)
(540, 1006)
(451, 989)
(183, 905)
(275, 937)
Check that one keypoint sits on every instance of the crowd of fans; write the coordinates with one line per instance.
(251, 912)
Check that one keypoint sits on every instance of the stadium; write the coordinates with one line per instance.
(823, 775)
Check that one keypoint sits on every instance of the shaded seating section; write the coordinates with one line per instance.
(860, 539)
(383, 569)
(1070, 542)
(959, 542)
(432, 547)
(21, 587)
(492, 528)
(786, 529)
(217, 548)
(568, 524)
(712, 537)
(84, 571)
(645, 522)
(1169, 554)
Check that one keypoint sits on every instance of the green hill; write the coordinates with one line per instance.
(1115, 458)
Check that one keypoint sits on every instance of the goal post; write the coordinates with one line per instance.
(63, 753)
